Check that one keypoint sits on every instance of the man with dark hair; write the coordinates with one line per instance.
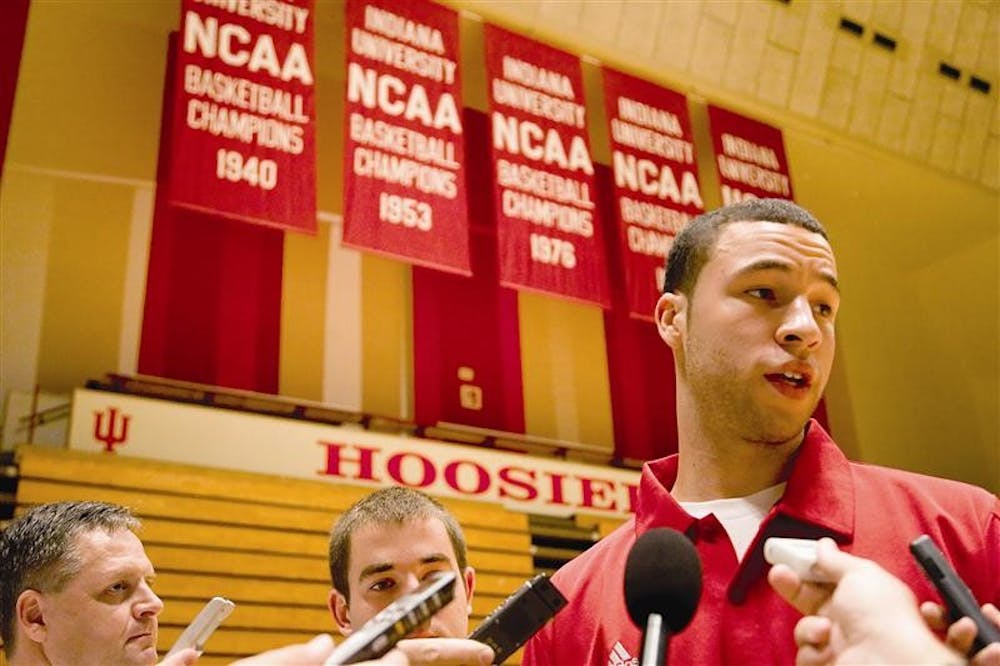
(75, 588)
(385, 546)
(751, 296)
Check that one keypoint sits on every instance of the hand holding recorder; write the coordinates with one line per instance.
(861, 614)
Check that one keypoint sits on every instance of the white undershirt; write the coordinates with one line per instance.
(740, 516)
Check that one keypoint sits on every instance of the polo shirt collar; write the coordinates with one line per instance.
(819, 491)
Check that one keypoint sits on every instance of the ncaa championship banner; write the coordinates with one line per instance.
(655, 180)
(176, 432)
(749, 156)
(549, 231)
(404, 146)
(243, 137)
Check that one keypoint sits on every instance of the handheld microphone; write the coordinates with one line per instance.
(662, 589)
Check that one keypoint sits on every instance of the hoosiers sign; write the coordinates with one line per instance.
(404, 157)
(243, 120)
(169, 431)
(550, 235)
(750, 157)
(656, 186)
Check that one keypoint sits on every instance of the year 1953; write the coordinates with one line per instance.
(410, 213)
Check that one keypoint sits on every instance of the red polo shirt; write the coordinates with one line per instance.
(871, 511)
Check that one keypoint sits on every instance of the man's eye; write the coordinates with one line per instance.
(119, 587)
(763, 293)
(382, 585)
(824, 309)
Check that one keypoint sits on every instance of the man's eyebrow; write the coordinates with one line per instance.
(434, 558)
(775, 265)
(382, 567)
(373, 569)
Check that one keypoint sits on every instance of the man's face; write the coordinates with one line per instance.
(106, 615)
(756, 337)
(389, 560)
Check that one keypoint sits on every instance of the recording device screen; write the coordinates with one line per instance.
(519, 617)
(395, 621)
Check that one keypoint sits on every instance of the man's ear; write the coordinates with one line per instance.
(671, 319)
(28, 610)
(337, 604)
(469, 579)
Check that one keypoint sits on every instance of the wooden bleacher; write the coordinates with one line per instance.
(259, 540)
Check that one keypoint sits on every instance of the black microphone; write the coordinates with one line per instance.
(662, 589)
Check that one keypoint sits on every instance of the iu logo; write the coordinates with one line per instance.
(116, 431)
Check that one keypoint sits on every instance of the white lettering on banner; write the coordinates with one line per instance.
(753, 175)
(649, 242)
(402, 171)
(538, 103)
(652, 142)
(199, 435)
(734, 195)
(540, 145)
(403, 57)
(647, 177)
(639, 113)
(402, 141)
(652, 216)
(547, 213)
(391, 95)
(244, 94)
(533, 76)
(554, 251)
(248, 128)
(269, 12)
(404, 211)
(544, 184)
(403, 29)
(749, 151)
(227, 41)
(233, 166)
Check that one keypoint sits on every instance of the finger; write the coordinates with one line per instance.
(992, 613)
(988, 656)
(934, 615)
(812, 630)
(393, 658)
(961, 634)
(446, 652)
(809, 655)
(314, 652)
(807, 598)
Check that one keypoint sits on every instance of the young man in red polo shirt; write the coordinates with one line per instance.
(748, 310)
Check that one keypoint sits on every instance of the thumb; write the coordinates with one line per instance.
(832, 562)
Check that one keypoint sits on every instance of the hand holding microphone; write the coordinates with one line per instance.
(662, 589)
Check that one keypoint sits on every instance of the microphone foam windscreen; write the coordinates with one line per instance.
(663, 575)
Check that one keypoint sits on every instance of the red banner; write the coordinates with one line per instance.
(244, 140)
(549, 231)
(466, 337)
(749, 156)
(655, 180)
(404, 156)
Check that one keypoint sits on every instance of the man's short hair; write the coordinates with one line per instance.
(396, 505)
(693, 246)
(38, 551)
